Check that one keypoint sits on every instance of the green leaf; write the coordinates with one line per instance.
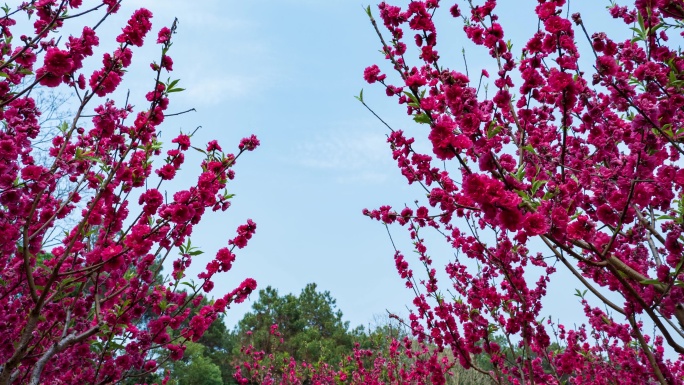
(413, 97)
(199, 149)
(96, 346)
(679, 265)
(491, 132)
(422, 118)
(530, 149)
(175, 90)
(63, 127)
(649, 282)
(520, 172)
(680, 131)
(360, 97)
(536, 185)
(523, 195)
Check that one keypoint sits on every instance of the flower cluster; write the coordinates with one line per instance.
(588, 164)
(82, 297)
(403, 362)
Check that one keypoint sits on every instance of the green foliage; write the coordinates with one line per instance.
(218, 345)
(461, 376)
(514, 355)
(195, 368)
(310, 329)
(310, 326)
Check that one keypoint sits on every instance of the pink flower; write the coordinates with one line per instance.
(208, 285)
(177, 213)
(546, 10)
(444, 141)
(7, 148)
(461, 142)
(138, 26)
(672, 243)
(415, 80)
(164, 35)
(510, 218)
(151, 364)
(372, 74)
(607, 66)
(535, 224)
(103, 82)
(58, 62)
(167, 172)
(422, 212)
(32, 172)
(48, 79)
(167, 63)
(151, 200)
(581, 229)
(213, 146)
(123, 57)
(240, 294)
(607, 215)
(183, 141)
(176, 351)
(557, 24)
(220, 305)
(81, 82)
(82, 46)
(26, 58)
(672, 8)
(455, 12)
(249, 144)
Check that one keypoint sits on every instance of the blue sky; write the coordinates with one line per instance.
(288, 71)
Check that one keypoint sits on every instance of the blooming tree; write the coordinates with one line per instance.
(560, 166)
(403, 362)
(72, 312)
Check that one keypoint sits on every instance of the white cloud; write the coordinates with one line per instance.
(211, 91)
(348, 151)
(350, 156)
